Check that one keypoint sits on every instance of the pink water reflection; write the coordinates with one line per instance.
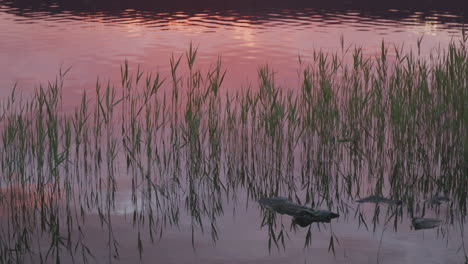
(96, 45)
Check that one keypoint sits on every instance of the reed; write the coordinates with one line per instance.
(392, 125)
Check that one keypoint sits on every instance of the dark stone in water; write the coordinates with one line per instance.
(379, 199)
(319, 216)
(437, 200)
(302, 215)
(425, 223)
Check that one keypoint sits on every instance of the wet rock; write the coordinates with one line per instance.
(379, 199)
(302, 215)
(282, 205)
(302, 221)
(319, 216)
(425, 223)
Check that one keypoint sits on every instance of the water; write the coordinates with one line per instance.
(95, 39)
(191, 182)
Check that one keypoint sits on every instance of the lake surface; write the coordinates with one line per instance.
(96, 38)
(176, 177)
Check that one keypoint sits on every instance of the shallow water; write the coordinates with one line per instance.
(191, 185)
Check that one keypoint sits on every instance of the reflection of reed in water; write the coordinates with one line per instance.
(26, 197)
(186, 147)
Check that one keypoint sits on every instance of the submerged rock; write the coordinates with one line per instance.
(379, 199)
(282, 205)
(437, 200)
(425, 223)
(302, 215)
(319, 216)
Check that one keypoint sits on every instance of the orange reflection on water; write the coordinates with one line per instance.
(26, 197)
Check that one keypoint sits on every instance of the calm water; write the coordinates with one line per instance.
(96, 38)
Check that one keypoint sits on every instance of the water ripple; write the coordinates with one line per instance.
(44, 36)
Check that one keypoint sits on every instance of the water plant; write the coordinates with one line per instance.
(181, 147)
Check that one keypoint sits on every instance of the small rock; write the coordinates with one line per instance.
(425, 223)
(302, 215)
(437, 200)
(379, 199)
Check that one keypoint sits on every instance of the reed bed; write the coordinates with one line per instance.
(385, 125)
